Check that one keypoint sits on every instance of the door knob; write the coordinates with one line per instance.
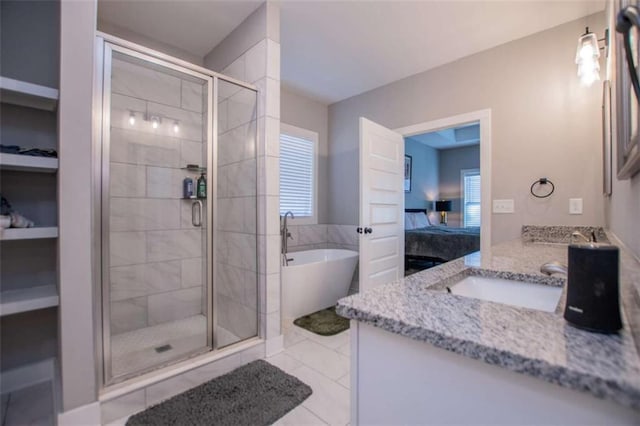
(359, 230)
(368, 230)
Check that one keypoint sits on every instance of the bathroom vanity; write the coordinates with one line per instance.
(422, 354)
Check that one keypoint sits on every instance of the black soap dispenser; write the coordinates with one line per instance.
(593, 301)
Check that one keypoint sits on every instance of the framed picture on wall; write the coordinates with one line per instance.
(407, 173)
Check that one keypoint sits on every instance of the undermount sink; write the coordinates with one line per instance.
(516, 293)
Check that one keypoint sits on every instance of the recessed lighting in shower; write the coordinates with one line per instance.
(176, 127)
(132, 118)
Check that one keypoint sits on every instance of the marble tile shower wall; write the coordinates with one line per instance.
(237, 266)
(309, 237)
(260, 65)
(156, 270)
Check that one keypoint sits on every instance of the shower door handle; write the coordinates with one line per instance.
(196, 213)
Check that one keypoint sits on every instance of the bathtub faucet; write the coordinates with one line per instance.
(285, 234)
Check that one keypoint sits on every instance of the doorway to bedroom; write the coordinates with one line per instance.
(443, 200)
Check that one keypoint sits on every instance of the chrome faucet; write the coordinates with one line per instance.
(285, 234)
(578, 234)
(553, 268)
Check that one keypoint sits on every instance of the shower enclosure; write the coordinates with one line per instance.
(177, 184)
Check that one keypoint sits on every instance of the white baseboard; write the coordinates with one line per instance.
(84, 415)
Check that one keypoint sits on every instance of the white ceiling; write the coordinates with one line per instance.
(332, 50)
(455, 137)
(335, 50)
(195, 26)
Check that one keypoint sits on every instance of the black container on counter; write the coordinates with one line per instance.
(593, 301)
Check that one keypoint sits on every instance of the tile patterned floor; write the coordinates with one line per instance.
(320, 362)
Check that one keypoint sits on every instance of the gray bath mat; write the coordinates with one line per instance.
(255, 394)
(325, 322)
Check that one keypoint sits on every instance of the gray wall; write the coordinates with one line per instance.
(30, 42)
(451, 161)
(544, 123)
(424, 176)
(300, 111)
(145, 41)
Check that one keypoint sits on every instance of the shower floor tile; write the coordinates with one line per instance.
(149, 347)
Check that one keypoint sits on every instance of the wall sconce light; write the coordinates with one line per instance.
(587, 57)
(443, 206)
(155, 119)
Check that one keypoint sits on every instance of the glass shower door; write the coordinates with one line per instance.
(156, 193)
(236, 266)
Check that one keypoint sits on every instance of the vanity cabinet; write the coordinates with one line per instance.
(398, 380)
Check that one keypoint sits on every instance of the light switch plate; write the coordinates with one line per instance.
(575, 205)
(503, 206)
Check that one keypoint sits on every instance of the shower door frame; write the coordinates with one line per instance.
(106, 45)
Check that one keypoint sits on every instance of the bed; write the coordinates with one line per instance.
(438, 243)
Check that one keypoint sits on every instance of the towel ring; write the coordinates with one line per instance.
(542, 181)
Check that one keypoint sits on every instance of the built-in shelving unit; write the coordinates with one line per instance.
(35, 384)
(28, 278)
(28, 233)
(28, 163)
(28, 299)
(26, 94)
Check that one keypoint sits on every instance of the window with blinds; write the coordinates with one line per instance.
(298, 173)
(470, 197)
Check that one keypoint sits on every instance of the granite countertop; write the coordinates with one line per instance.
(537, 343)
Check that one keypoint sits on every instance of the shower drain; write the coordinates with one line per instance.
(163, 348)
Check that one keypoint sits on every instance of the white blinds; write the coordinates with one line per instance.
(471, 198)
(296, 175)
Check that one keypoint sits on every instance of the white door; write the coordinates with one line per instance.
(381, 226)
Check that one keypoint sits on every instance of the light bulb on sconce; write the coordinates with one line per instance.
(587, 58)
(176, 127)
(132, 118)
(155, 122)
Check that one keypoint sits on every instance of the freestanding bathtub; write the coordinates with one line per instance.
(316, 279)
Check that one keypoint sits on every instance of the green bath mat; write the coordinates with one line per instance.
(325, 322)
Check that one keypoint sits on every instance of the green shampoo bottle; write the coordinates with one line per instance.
(202, 186)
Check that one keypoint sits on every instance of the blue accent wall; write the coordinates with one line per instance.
(424, 176)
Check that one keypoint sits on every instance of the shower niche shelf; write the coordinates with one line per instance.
(194, 168)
